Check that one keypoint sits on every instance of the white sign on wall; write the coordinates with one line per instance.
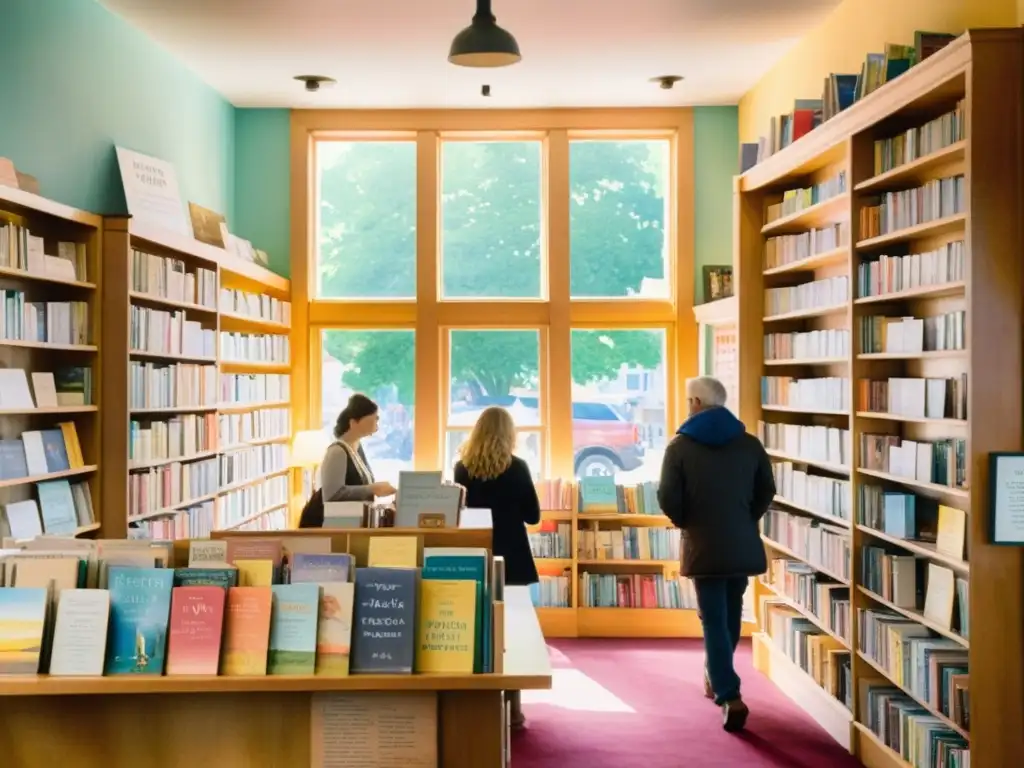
(151, 191)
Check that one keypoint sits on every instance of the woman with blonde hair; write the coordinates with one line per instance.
(496, 479)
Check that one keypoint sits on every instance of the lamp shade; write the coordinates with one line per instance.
(309, 447)
(483, 43)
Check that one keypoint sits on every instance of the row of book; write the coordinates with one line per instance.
(893, 211)
(827, 393)
(258, 306)
(825, 293)
(915, 398)
(187, 385)
(254, 348)
(166, 277)
(43, 322)
(818, 344)
(159, 332)
(796, 200)
(917, 584)
(826, 445)
(816, 542)
(158, 489)
(60, 508)
(250, 462)
(790, 249)
(941, 462)
(64, 387)
(629, 543)
(602, 495)
(552, 540)
(634, 590)
(22, 251)
(179, 437)
(264, 424)
(41, 452)
(244, 388)
(197, 521)
(827, 496)
(823, 597)
(921, 141)
(886, 274)
(918, 520)
(911, 335)
(246, 608)
(243, 504)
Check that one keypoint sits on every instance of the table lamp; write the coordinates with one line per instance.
(308, 449)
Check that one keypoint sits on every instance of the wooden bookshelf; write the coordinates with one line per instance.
(579, 620)
(54, 223)
(982, 70)
(209, 504)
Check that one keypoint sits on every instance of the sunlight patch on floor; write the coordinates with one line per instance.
(571, 689)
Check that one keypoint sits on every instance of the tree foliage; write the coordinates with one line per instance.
(492, 231)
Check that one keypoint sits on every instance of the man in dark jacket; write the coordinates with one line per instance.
(716, 484)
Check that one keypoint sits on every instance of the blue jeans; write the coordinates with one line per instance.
(720, 600)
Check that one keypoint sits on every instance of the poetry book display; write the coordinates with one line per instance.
(872, 356)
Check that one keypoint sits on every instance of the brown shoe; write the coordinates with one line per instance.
(734, 715)
(709, 692)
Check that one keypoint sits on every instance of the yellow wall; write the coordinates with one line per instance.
(855, 28)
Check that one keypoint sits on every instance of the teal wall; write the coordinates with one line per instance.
(262, 182)
(77, 80)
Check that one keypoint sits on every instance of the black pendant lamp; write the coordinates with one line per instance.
(483, 43)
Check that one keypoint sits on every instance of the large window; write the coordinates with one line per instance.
(380, 364)
(494, 368)
(491, 219)
(619, 416)
(618, 218)
(366, 233)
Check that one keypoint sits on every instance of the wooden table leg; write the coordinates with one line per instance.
(472, 728)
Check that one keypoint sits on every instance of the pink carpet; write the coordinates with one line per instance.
(640, 704)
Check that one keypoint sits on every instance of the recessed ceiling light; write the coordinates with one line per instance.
(314, 83)
(666, 82)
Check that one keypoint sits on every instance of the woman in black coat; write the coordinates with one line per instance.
(497, 480)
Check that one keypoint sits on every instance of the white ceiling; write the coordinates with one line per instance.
(393, 53)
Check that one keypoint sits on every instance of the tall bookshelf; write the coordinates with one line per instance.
(221, 399)
(62, 230)
(812, 308)
(590, 543)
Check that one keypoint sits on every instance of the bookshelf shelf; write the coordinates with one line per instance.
(22, 274)
(807, 218)
(916, 171)
(808, 361)
(783, 550)
(811, 263)
(49, 476)
(792, 409)
(173, 284)
(968, 293)
(831, 519)
(806, 613)
(45, 345)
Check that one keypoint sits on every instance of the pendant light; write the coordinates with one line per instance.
(483, 43)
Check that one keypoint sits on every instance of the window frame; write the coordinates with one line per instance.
(554, 315)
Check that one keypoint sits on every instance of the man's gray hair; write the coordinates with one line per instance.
(709, 390)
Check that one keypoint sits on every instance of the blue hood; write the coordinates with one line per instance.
(714, 427)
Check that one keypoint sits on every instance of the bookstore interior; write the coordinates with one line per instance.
(176, 352)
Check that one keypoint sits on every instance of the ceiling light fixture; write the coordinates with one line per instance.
(314, 83)
(483, 43)
(666, 82)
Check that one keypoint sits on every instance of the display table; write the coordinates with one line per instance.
(257, 722)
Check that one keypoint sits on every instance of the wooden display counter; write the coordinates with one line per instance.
(257, 722)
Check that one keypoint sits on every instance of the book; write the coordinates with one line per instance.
(80, 633)
(57, 505)
(334, 633)
(384, 622)
(246, 631)
(255, 573)
(293, 629)
(140, 604)
(466, 563)
(197, 622)
(306, 567)
(446, 640)
(393, 551)
(224, 578)
(22, 626)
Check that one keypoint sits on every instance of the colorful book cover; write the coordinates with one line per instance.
(455, 563)
(319, 568)
(197, 623)
(246, 631)
(334, 635)
(446, 632)
(255, 573)
(293, 629)
(225, 578)
(384, 626)
(140, 605)
(22, 624)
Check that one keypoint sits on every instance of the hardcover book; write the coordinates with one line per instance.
(140, 604)
(334, 635)
(197, 621)
(321, 568)
(246, 631)
(293, 629)
(447, 627)
(22, 625)
(384, 635)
